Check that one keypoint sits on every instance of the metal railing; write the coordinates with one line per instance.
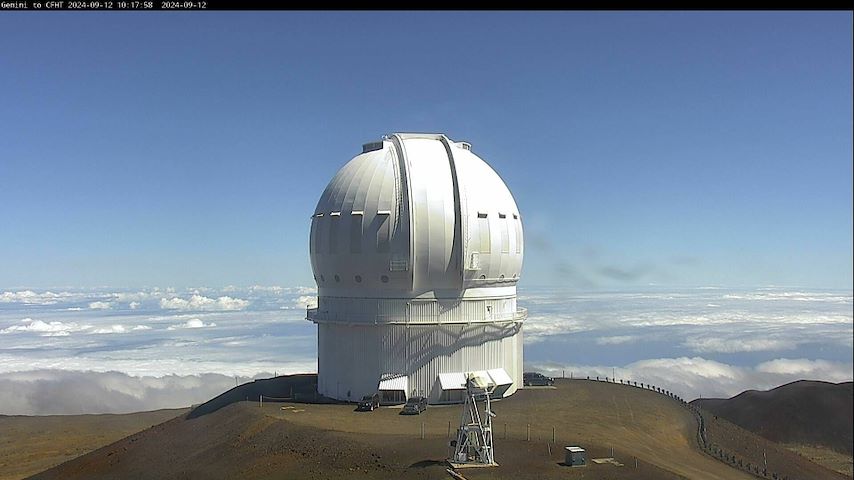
(709, 447)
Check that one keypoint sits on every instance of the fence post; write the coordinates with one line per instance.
(505, 431)
(553, 434)
(422, 430)
(528, 435)
(260, 400)
(449, 429)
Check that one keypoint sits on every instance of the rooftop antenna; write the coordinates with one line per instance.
(473, 446)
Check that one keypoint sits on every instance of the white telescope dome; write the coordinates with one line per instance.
(416, 246)
(415, 216)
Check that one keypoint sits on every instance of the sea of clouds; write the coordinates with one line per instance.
(701, 342)
(65, 351)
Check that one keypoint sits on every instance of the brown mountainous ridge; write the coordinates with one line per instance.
(649, 435)
(805, 412)
(30, 444)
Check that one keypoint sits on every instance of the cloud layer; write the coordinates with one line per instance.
(202, 303)
(45, 329)
(192, 323)
(58, 392)
(698, 342)
(699, 377)
(306, 301)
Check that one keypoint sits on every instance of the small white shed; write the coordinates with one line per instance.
(575, 457)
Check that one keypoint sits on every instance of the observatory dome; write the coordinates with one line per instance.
(416, 215)
(416, 247)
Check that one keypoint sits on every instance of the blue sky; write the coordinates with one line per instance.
(186, 149)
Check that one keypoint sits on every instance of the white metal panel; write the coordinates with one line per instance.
(452, 381)
(487, 194)
(366, 184)
(433, 228)
(499, 376)
(394, 382)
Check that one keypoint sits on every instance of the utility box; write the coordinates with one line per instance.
(575, 457)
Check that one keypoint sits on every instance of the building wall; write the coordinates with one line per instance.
(433, 311)
(352, 357)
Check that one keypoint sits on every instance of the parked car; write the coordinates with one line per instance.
(536, 379)
(369, 402)
(415, 405)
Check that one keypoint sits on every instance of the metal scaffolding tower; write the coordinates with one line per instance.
(473, 446)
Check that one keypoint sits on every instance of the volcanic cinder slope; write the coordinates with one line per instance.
(803, 412)
(30, 444)
(652, 435)
(810, 417)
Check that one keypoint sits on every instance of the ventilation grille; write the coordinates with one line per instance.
(398, 264)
